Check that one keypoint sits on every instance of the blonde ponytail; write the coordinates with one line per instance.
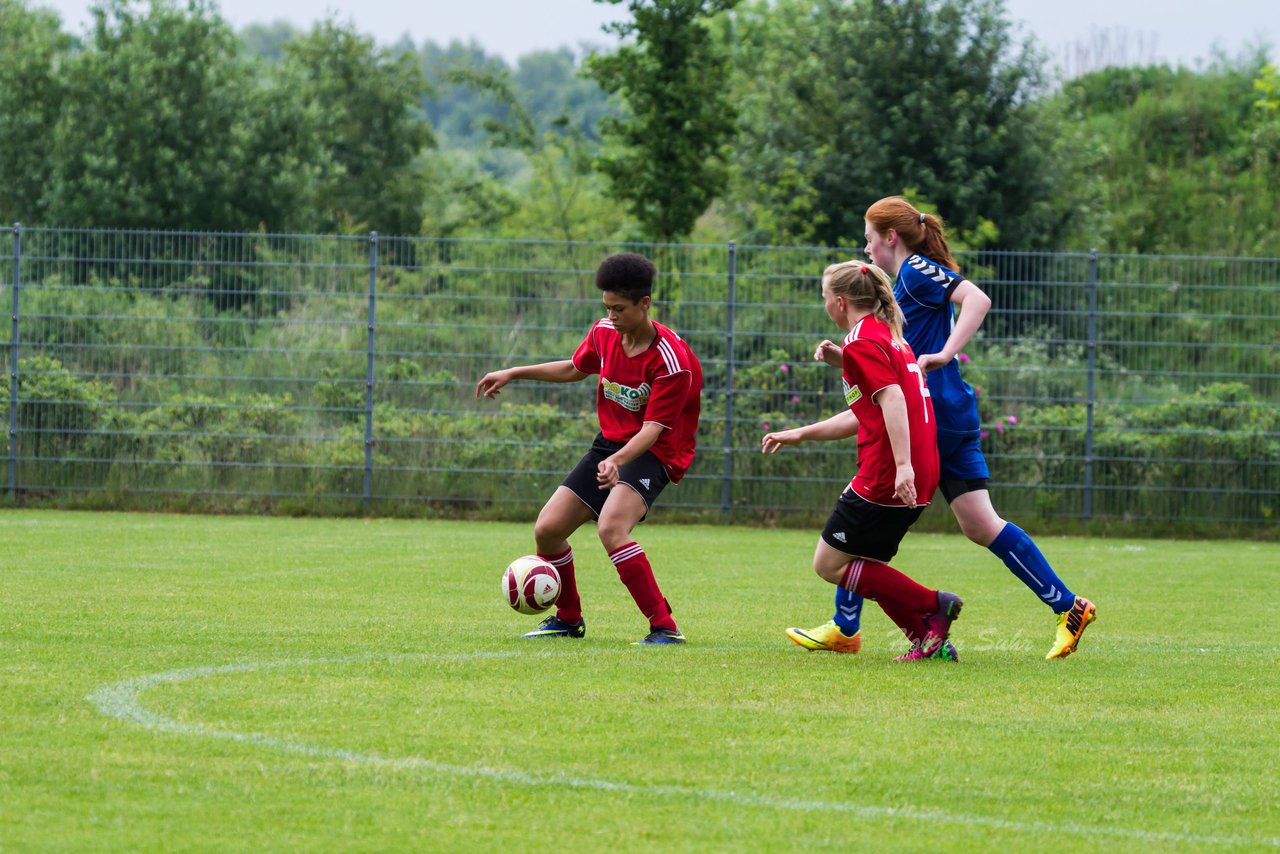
(867, 287)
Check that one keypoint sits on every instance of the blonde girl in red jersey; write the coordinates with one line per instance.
(890, 412)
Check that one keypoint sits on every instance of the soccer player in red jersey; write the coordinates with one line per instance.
(648, 400)
(890, 412)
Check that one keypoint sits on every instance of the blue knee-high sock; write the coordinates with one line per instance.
(1019, 553)
(848, 611)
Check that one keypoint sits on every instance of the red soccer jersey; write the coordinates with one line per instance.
(662, 385)
(871, 362)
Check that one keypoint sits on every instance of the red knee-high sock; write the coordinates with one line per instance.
(637, 575)
(911, 623)
(568, 605)
(906, 602)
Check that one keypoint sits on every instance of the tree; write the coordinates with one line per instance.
(561, 194)
(458, 111)
(163, 125)
(268, 40)
(31, 48)
(845, 101)
(551, 88)
(367, 104)
(1185, 161)
(1263, 129)
(665, 158)
(547, 83)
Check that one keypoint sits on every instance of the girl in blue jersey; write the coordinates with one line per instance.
(911, 245)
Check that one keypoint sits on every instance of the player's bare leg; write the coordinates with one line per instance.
(980, 522)
(623, 510)
(978, 518)
(563, 514)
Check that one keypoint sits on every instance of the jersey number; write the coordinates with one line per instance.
(914, 368)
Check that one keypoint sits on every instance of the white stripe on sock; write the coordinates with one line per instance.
(626, 553)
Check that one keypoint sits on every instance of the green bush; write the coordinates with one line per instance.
(57, 412)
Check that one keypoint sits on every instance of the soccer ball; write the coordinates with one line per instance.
(530, 585)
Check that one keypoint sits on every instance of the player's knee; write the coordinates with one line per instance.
(826, 573)
(982, 531)
(613, 534)
(549, 530)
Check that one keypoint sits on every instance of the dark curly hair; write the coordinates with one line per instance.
(627, 274)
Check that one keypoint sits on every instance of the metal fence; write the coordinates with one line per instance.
(237, 371)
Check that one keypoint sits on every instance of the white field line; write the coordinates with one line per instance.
(122, 700)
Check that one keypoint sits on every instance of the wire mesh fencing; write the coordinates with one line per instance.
(239, 371)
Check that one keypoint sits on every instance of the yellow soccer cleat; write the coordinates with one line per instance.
(1071, 625)
(826, 637)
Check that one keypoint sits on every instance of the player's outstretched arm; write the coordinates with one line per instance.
(842, 425)
(974, 305)
(561, 371)
(828, 351)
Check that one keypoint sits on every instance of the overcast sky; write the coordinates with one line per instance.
(1079, 34)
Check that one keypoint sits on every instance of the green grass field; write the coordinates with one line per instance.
(195, 683)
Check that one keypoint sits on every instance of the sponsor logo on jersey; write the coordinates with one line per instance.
(625, 396)
(839, 535)
(851, 394)
(644, 481)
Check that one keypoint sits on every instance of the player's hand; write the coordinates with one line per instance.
(491, 382)
(931, 361)
(828, 352)
(904, 485)
(773, 441)
(607, 473)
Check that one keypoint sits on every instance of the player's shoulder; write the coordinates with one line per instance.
(869, 329)
(674, 354)
(666, 333)
(922, 268)
(603, 335)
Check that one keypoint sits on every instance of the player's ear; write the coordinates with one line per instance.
(891, 239)
(645, 302)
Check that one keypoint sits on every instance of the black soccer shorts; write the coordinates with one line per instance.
(645, 474)
(862, 529)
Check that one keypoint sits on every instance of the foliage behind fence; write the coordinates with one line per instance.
(247, 371)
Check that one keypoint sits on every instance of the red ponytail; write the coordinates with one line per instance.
(920, 232)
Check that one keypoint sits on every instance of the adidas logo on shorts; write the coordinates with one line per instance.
(644, 481)
(839, 535)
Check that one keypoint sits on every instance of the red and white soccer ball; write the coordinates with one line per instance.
(530, 585)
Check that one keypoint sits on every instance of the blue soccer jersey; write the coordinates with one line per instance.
(924, 289)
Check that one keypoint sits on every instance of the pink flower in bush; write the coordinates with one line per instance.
(765, 427)
(984, 434)
(977, 392)
(1000, 426)
(784, 367)
(963, 357)
(1013, 420)
(795, 398)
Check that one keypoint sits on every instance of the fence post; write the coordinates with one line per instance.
(13, 365)
(726, 498)
(368, 380)
(1093, 359)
